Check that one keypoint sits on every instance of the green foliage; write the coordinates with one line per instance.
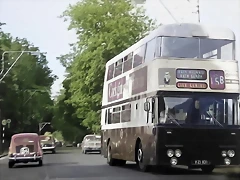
(58, 135)
(64, 118)
(47, 134)
(104, 29)
(24, 92)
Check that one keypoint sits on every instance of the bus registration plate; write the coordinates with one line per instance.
(201, 162)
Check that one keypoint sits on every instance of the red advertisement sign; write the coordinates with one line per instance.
(192, 85)
(115, 89)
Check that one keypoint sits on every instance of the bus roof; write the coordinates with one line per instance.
(180, 30)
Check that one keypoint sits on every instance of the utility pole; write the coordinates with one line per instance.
(3, 124)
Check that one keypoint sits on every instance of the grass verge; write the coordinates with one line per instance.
(232, 169)
(4, 153)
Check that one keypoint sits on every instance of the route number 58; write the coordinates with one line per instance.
(217, 79)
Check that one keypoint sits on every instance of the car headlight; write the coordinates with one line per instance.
(231, 153)
(170, 153)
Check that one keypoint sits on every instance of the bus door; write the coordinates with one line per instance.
(150, 106)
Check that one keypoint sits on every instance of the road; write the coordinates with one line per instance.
(70, 164)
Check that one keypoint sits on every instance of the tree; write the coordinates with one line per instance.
(104, 28)
(58, 135)
(64, 118)
(24, 93)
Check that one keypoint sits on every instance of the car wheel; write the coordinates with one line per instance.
(140, 159)
(53, 151)
(10, 164)
(40, 162)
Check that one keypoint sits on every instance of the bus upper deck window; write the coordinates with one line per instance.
(118, 67)
(127, 62)
(202, 48)
(110, 72)
(139, 56)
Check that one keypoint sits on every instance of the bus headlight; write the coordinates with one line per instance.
(174, 161)
(170, 153)
(227, 161)
(178, 153)
(224, 153)
(231, 153)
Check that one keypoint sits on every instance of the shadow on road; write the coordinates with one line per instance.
(57, 152)
(183, 171)
(166, 171)
(26, 166)
(93, 153)
(101, 171)
(75, 170)
(46, 164)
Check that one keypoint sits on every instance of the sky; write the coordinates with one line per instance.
(37, 20)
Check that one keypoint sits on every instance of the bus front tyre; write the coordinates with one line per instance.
(110, 160)
(140, 159)
(207, 169)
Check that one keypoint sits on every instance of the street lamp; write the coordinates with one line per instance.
(42, 125)
(33, 53)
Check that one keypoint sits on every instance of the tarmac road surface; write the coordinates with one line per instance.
(71, 164)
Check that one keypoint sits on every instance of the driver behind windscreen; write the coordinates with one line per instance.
(193, 114)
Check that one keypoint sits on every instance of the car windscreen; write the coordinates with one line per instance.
(46, 139)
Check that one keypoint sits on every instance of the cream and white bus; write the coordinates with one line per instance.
(172, 99)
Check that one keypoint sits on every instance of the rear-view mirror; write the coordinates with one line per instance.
(147, 106)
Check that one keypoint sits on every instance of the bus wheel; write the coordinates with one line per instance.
(207, 169)
(110, 160)
(140, 159)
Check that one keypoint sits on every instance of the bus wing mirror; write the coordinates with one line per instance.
(147, 106)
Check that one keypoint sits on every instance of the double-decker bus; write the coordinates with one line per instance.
(172, 99)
